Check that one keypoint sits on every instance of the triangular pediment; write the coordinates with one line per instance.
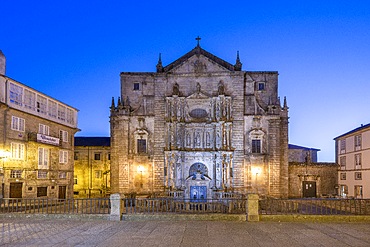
(198, 95)
(198, 60)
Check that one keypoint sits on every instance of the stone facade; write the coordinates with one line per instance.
(37, 143)
(302, 154)
(92, 167)
(316, 179)
(197, 126)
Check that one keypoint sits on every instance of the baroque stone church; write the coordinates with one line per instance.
(198, 127)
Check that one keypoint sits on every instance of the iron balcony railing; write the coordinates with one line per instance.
(55, 206)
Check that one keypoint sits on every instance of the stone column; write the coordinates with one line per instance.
(115, 207)
(252, 207)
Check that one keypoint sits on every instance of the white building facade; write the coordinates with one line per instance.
(353, 158)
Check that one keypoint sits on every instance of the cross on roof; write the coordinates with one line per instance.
(198, 39)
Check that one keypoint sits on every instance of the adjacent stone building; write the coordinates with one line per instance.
(92, 167)
(36, 146)
(352, 153)
(197, 126)
(308, 177)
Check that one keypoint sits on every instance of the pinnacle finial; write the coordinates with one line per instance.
(285, 103)
(238, 64)
(159, 64)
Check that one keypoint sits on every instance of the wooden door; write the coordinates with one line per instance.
(309, 188)
(62, 192)
(15, 190)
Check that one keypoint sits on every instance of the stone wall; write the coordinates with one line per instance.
(325, 176)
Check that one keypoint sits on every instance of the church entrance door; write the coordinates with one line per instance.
(198, 193)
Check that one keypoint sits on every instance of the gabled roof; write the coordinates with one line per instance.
(292, 146)
(362, 127)
(92, 141)
(196, 51)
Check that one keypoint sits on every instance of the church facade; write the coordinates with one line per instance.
(198, 127)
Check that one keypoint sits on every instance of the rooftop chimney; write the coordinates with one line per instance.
(2, 63)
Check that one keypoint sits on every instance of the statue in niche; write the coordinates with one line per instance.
(188, 139)
(221, 88)
(208, 139)
(198, 88)
(175, 89)
(197, 139)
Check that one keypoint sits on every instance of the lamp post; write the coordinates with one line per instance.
(141, 169)
(3, 156)
(256, 171)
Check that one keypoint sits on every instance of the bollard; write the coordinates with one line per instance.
(115, 210)
(252, 207)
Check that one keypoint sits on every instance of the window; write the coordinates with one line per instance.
(63, 135)
(41, 104)
(357, 142)
(358, 165)
(52, 109)
(358, 191)
(70, 116)
(256, 146)
(15, 94)
(75, 157)
(261, 86)
(108, 156)
(343, 190)
(61, 112)
(17, 124)
(43, 129)
(17, 151)
(342, 163)
(343, 146)
(136, 86)
(42, 191)
(16, 173)
(42, 174)
(141, 146)
(98, 174)
(63, 156)
(358, 176)
(97, 156)
(29, 99)
(43, 158)
(75, 179)
(343, 176)
(62, 175)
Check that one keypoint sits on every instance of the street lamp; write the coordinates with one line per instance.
(141, 169)
(256, 171)
(3, 156)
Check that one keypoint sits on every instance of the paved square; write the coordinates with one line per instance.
(62, 232)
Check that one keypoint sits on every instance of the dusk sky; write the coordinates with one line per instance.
(74, 51)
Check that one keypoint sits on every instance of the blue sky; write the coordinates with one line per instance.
(75, 50)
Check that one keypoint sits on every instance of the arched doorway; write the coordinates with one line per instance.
(198, 173)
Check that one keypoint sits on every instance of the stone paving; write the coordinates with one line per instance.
(63, 232)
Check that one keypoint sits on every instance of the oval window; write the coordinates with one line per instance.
(198, 113)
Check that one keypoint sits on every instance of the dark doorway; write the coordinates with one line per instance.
(309, 188)
(15, 190)
(198, 193)
(62, 192)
